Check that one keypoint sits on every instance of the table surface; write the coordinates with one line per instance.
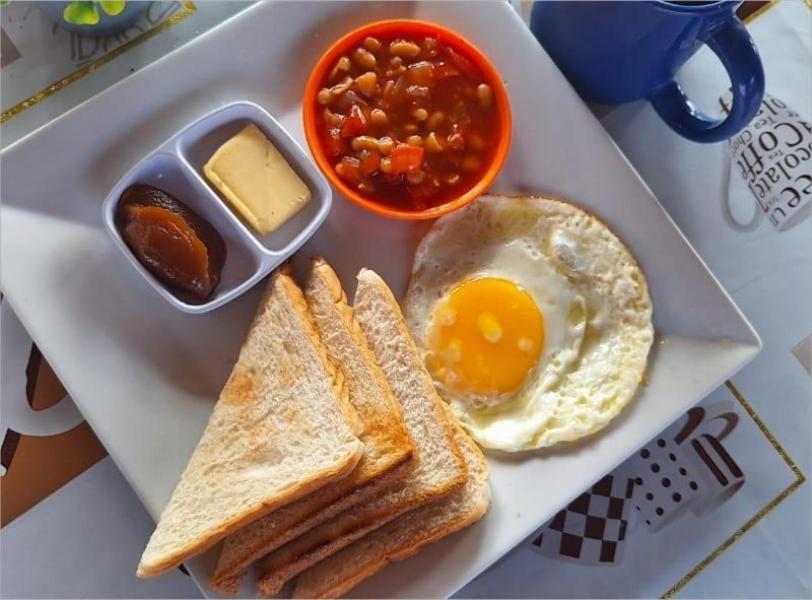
(749, 546)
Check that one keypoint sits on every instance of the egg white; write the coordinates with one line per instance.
(590, 291)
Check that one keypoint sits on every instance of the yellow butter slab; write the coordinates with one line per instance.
(256, 180)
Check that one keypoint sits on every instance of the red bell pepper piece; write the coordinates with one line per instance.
(406, 158)
(355, 124)
(370, 162)
(333, 145)
(465, 66)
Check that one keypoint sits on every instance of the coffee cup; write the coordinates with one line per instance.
(687, 467)
(615, 52)
(770, 175)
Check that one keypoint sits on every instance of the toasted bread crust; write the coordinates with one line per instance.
(230, 584)
(228, 587)
(378, 423)
(298, 298)
(282, 284)
(409, 533)
(381, 428)
(272, 579)
(443, 416)
(313, 546)
(334, 535)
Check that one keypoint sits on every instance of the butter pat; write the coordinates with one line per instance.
(256, 180)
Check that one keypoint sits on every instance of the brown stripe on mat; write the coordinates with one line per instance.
(720, 477)
(748, 8)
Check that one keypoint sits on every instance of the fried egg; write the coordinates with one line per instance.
(533, 319)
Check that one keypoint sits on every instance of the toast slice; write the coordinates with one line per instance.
(282, 428)
(389, 448)
(441, 467)
(404, 536)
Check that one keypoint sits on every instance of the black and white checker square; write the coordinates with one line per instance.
(592, 528)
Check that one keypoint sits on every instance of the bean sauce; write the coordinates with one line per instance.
(409, 123)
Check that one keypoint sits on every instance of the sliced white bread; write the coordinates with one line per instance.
(282, 428)
(388, 446)
(441, 467)
(406, 535)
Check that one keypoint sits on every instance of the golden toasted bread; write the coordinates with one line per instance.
(282, 428)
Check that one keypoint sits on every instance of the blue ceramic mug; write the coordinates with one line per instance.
(614, 52)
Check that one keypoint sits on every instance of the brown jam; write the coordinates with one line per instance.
(175, 244)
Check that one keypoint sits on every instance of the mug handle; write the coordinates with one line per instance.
(727, 210)
(735, 48)
(698, 415)
(740, 226)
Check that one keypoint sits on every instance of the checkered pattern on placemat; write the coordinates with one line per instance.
(593, 526)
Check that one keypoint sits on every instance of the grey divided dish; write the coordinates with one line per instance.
(176, 167)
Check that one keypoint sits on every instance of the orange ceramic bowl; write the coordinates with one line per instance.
(407, 28)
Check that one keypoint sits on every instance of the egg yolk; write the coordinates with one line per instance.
(485, 337)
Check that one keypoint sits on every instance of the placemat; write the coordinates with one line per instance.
(632, 534)
(40, 58)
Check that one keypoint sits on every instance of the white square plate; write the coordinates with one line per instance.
(146, 376)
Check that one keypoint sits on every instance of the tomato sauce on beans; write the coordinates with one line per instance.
(409, 122)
